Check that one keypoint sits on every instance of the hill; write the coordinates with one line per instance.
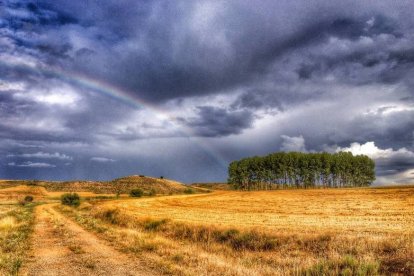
(161, 186)
(122, 185)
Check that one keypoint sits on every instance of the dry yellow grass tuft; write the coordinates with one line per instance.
(15, 227)
(7, 223)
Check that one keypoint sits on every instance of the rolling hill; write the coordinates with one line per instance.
(122, 185)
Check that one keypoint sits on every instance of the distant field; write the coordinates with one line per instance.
(344, 210)
(213, 186)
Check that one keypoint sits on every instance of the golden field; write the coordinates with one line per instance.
(286, 232)
(356, 231)
(339, 210)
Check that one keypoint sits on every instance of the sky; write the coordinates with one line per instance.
(103, 89)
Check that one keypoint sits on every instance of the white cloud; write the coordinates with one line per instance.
(61, 95)
(43, 155)
(102, 159)
(371, 150)
(293, 143)
(11, 85)
(30, 164)
(393, 166)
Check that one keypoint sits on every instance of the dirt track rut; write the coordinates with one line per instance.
(62, 247)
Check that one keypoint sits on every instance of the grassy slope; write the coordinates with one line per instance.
(124, 185)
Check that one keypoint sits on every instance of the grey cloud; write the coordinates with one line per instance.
(293, 143)
(215, 122)
(283, 64)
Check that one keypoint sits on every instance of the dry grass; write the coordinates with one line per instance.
(213, 186)
(301, 232)
(15, 194)
(310, 211)
(15, 227)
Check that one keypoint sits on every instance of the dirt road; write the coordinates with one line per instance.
(62, 247)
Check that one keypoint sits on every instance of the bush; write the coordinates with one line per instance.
(136, 193)
(70, 199)
(189, 191)
(28, 198)
(161, 177)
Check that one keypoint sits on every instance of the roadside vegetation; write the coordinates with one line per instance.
(16, 223)
(70, 199)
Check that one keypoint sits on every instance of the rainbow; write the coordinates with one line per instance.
(127, 97)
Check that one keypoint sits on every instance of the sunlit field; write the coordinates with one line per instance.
(303, 232)
(340, 210)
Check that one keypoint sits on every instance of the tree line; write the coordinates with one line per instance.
(301, 170)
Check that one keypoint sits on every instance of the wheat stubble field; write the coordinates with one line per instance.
(361, 231)
(304, 211)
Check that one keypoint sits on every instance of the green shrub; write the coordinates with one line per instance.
(136, 193)
(70, 199)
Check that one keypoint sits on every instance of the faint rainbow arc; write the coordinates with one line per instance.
(126, 97)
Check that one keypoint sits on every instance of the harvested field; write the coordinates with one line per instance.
(339, 210)
(302, 232)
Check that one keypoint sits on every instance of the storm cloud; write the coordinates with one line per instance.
(146, 83)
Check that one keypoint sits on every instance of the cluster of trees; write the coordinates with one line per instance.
(301, 170)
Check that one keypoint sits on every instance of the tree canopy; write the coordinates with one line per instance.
(301, 170)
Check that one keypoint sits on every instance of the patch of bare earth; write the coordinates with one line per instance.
(62, 247)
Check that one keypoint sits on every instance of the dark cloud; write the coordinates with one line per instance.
(287, 74)
(214, 121)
